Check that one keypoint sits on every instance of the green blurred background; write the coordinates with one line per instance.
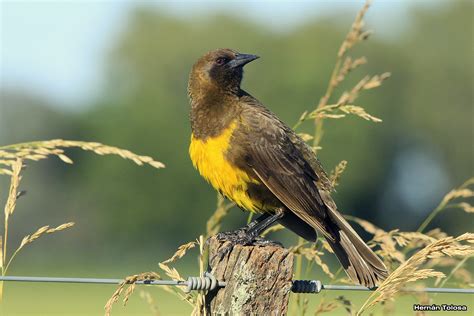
(128, 218)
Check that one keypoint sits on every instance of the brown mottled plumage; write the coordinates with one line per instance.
(256, 160)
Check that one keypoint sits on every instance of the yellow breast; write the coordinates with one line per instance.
(208, 157)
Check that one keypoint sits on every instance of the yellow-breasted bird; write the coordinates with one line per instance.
(254, 159)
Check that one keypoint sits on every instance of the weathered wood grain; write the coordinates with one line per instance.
(258, 280)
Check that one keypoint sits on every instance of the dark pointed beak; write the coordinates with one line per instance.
(242, 59)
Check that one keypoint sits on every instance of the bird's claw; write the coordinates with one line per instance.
(260, 241)
(237, 237)
(241, 237)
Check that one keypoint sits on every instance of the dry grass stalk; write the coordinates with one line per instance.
(303, 117)
(333, 112)
(130, 282)
(28, 239)
(325, 307)
(180, 252)
(13, 156)
(10, 205)
(366, 225)
(461, 192)
(466, 207)
(348, 66)
(437, 233)
(344, 65)
(356, 33)
(13, 192)
(463, 275)
(305, 137)
(458, 193)
(8, 163)
(347, 304)
(414, 238)
(200, 299)
(16, 165)
(146, 296)
(326, 246)
(394, 244)
(1, 253)
(360, 112)
(273, 229)
(388, 247)
(457, 272)
(345, 280)
(337, 172)
(410, 270)
(442, 262)
(389, 241)
(5, 172)
(195, 300)
(171, 272)
(305, 305)
(42, 149)
(312, 255)
(43, 231)
(191, 298)
(345, 103)
(455, 264)
(213, 224)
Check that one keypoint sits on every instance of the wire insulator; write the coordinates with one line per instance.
(306, 286)
(206, 283)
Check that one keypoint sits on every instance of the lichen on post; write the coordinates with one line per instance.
(258, 279)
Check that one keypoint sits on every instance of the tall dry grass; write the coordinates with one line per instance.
(195, 299)
(411, 271)
(12, 163)
(343, 105)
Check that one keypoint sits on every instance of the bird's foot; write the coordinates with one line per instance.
(260, 241)
(241, 237)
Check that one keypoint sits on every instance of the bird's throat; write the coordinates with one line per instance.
(211, 116)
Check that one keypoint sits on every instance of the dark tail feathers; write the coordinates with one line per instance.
(361, 264)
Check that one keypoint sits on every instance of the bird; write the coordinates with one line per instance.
(255, 160)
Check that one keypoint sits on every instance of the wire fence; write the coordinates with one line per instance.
(209, 282)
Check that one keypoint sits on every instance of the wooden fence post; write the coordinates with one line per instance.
(259, 280)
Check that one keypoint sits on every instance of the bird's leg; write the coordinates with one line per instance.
(249, 235)
(241, 235)
(257, 220)
(264, 223)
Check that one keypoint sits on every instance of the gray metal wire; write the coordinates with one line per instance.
(209, 282)
(88, 280)
(413, 290)
(314, 286)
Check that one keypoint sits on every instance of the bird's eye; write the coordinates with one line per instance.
(221, 61)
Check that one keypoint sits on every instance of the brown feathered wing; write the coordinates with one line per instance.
(279, 164)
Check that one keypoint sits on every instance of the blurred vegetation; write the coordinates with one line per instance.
(398, 170)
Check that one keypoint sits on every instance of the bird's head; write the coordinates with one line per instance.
(220, 69)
